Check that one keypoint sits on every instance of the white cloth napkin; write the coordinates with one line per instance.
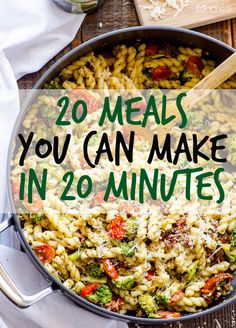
(31, 33)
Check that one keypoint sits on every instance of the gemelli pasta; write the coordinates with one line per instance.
(151, 260)
(142, 66)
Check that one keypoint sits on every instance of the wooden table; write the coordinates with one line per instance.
(117, 14)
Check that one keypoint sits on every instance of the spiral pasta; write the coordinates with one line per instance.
(148, 259)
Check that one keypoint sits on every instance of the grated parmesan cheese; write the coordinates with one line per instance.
(157, 8)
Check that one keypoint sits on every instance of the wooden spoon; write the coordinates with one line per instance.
(218, 76)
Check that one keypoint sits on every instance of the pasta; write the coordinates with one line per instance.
(151, 65)
(147, 260)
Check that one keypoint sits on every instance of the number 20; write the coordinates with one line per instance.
(64, 103)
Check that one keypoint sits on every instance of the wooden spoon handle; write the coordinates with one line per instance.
(218, 76)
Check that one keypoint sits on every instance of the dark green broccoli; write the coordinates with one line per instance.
(233, 241)
(126, 282)
(96, 138)
(162, 299)
(54, 84)
(230, 254)
(95, 270)
(49, 113)
(128, 249)
(131, 228)
(191, 271)
(195, 119)
(102, 295)
(148, 304)
(37, 217)
(186, 75)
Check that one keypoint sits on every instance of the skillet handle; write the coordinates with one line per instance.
(6, 224)
(8, 287)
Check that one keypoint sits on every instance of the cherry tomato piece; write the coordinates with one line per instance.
(212, 289)
(195, 65)
(168, 314)
(110, 269)
(176, 297)
(152, 49)
(116, 228)
(150, 275)
(35, 206)
(129, 208)
(88, 289)
(161, 73)
(99, 198)
(15, 188)
(87, 96)
(226, 239)
(15, 192)
(45, 253)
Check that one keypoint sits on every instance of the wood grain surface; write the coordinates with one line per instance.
(195, 14)
(117, 14)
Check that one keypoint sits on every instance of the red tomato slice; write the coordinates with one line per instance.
(45, 253)
(176, 297)
(150, 275)
(32, 208)
(225, 239)
(116, 228)
(152, 49)
(15, 188)
(195, 65)
(83, 163)
(161, 73)
(88, 289)
(110, 269)
(142, 105)
(211, 290)
(16, 191)
(168, 314)
(99, 198)
(36, 204)
(128, 207)
(87, 96)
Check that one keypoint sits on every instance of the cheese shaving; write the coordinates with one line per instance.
(157, 9)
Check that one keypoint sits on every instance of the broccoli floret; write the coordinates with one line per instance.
(230, 254)
(148, 304)
(37, 217)
(162, 299)
(233, 241)
(196, 120)
(191, 271)
(102, 295)
(186, 75)
(230, 146)
(54, 84)
(131, 228)
(126, 282)
(96, 138)
(128, 249)
(95, 270)
(49, 113)
(75, 256)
